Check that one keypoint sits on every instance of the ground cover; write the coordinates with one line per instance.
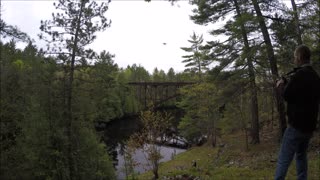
(231, 160)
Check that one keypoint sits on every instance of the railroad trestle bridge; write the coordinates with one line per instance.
(156, 93)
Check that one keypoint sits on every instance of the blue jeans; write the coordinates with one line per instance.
(295, 143)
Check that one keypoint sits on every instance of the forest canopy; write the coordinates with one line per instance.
(52, 98)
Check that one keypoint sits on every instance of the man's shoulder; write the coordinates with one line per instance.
(306, 75)
(307, 70)
(312, 75)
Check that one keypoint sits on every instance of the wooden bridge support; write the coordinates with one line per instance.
(156, 93)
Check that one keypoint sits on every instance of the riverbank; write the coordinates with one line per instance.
(230, 160)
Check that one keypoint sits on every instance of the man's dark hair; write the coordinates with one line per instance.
(303, 53)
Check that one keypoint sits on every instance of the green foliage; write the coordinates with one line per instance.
(198, 61)
(9, 31)
(240, 52)
(171, 75)
(310, 21)
(158, 76)
(154, 126)
(70, 31)
(236, 115)
(199, 104)
(92, 159)
(33, 139)
(34, 88)
(33, 126)
(231, 162)
(75, 21)
(137, 73)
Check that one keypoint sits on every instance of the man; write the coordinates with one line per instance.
(301, 91)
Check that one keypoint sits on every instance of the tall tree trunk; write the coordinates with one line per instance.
(296, 21)
(273, 65)
(199, 69)
(213, 134)
(253, 87)
(72, 165)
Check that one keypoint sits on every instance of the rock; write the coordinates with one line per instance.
(222, 145)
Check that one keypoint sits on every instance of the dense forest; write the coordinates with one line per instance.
(51, 98)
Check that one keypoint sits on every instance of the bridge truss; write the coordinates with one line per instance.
(156, 93)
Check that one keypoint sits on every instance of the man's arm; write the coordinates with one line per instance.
(280, 85)
(295, 89)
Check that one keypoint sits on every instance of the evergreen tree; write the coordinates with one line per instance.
(198, 61)
(171, 75)
(297, 21)
(199, 103)
(70, 32)
(236, 52)
(310, 28)
(10, 31)
(273, 66)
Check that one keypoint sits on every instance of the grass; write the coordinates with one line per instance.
(232, 161)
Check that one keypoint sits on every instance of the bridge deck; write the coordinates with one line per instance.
(161, 83)
(157, 93)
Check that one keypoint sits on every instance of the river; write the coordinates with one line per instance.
(115, 135)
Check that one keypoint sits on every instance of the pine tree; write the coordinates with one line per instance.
(236, 52)
(70, 32)
(273, 66)
(10, 31)
(198, 61)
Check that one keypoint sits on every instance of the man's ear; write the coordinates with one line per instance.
(299, 60)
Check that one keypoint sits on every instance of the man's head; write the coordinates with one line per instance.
(302, 55)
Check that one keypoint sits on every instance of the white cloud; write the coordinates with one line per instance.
(137, 33)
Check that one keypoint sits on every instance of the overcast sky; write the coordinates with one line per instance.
(149, 34)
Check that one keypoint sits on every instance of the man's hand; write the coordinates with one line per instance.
(280, 83)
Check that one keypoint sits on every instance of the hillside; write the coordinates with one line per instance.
(230, 160)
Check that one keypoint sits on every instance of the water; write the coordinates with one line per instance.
(115, 136)
(143, 165)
